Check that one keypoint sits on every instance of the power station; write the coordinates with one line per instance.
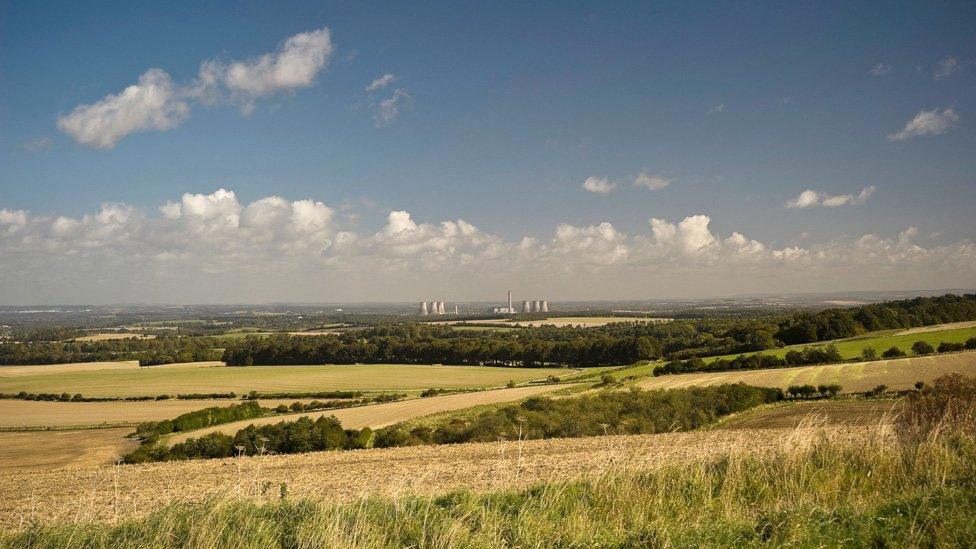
(434, 308)
(528, 306)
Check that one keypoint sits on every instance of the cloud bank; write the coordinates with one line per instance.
(211, 247)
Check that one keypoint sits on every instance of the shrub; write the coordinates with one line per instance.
(971, 343)
(877, 391)
(801, 391)
(922, 348)
(893, 352)
(947, 347)
(949, 404)
(829, 390)
(607, 379)
(868, 353)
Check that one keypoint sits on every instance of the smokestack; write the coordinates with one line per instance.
(526, 307)
(545, 307)
(510, 309)
(423, 308)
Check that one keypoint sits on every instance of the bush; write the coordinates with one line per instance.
(946, 347)
(971, 343)
(922, 348)
(877, 391)
(607, 380)
(801, 391)
(868, 353)
(829, 390)
(948, 405)
(893, 352)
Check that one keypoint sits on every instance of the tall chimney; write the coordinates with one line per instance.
(510, 309)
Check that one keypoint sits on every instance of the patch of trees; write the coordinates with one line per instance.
(909, 313)
(199, 419)
(295, 437)
(827, 354)
(161, 350)
(606, 412)
(810, 391)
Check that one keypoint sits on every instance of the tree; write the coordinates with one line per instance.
(829, 390)
(893, 352)
(922, 348)
(648, 348)
(868, 353)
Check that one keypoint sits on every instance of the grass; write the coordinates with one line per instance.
(359, 377)
(852, 347)
(897, 374)
(814, 493)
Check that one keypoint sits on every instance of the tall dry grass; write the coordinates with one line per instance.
(915, 486)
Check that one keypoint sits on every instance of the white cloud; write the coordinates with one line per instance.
(151, 104)
(946, 67)
(294, 65)
(880, 69)
(381, 82)
(652, 183)
(811, 198)
(717, 109)
(155, 103)
(389, 108)
(598, 185)
(930, 122)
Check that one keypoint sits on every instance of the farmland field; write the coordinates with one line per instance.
(17, 414)
(41, 369)
(113, 335)
(898, 374)
(903, 339)
(134, 490)
(359, 377)
(381, 415)
(47, 450)
(584, 321)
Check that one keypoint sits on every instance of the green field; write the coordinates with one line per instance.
(359, 377)
(852, 347)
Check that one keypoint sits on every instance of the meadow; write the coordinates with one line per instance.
(174, 379)
(880, 341)
(898, 374)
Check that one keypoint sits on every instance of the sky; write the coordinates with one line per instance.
(215, 152)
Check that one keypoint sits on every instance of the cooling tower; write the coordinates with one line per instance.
(536, 305)
(526, 307)
(544, 308)
(423, 308)
(440, 307)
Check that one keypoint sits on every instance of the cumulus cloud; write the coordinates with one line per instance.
(381, 82)
(925, 122)
(598, 185)
(811, 199)
(651, 182)
(295, 64)
(880, 69)
(155, 103)
(152, 104)
(212, 247)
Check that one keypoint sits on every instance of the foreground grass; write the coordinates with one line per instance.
(816, 493)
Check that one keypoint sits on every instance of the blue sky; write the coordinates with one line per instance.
(505, 110)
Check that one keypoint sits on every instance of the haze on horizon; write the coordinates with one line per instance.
(310, 152)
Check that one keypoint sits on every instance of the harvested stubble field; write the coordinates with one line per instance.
(42, 369)
(17, 414)
(347, 377)
(791, 415)
(113, 335)
(50, 450)
(897, 374)
(381, 415)
(111, 493)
